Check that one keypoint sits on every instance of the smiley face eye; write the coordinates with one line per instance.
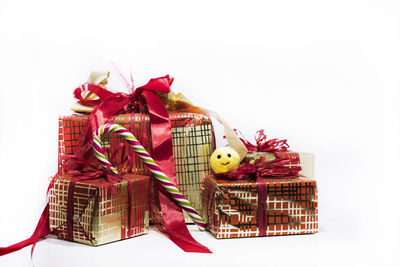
(219, 157)
(229, 155)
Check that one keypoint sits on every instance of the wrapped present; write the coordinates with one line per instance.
(192, 139)
(262, 207)
(259, 197)
(96, 212)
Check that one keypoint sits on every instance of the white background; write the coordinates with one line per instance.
(323, 74)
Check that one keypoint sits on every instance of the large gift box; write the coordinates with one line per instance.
(266, 207)
(192, 137)
(96, 212)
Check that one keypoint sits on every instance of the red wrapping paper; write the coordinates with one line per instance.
(232, 208)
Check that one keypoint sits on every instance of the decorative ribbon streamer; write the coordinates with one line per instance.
(42, 230)
(149, 162)
(233, 140)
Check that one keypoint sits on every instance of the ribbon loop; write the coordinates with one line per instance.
(101, 93)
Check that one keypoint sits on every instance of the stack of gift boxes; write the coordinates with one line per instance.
(95, 211)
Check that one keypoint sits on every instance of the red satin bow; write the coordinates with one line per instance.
(264, 145)
(262, 168)
(110, 104)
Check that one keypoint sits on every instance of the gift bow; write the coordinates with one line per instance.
(262, 168)
(93, 172)
(161, 84)
(109, 104)
(262, 144)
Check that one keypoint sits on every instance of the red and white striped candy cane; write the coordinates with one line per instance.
(149, 162)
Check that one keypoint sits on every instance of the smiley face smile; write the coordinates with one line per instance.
(226, 163)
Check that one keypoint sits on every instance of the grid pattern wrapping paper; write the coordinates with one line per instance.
(193, 143)
(100, 216)
(231, 207)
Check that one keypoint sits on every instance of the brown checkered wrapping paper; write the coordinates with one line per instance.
(306, 160)
(231, 207)
(193, 143)
(99, 216)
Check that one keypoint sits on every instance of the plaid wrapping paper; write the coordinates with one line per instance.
(231, 207)
(306, 160)
(193, 144)
(99, 216)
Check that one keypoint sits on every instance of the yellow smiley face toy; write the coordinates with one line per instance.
(224, 159)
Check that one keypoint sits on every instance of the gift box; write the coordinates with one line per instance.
(261, 207)
(96, 212)
(192, 137)
(302, 159)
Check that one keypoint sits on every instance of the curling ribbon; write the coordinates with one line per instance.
(262, 144)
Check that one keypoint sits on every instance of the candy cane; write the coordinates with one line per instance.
(155, 170)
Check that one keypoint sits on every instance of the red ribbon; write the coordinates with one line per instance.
(42, 230)
(261, 204)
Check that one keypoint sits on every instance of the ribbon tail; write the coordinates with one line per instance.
(176, 229)
(42, 230)
(172, 220)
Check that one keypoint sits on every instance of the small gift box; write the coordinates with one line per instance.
(266, 207)
(96, 212)
(260, 198)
